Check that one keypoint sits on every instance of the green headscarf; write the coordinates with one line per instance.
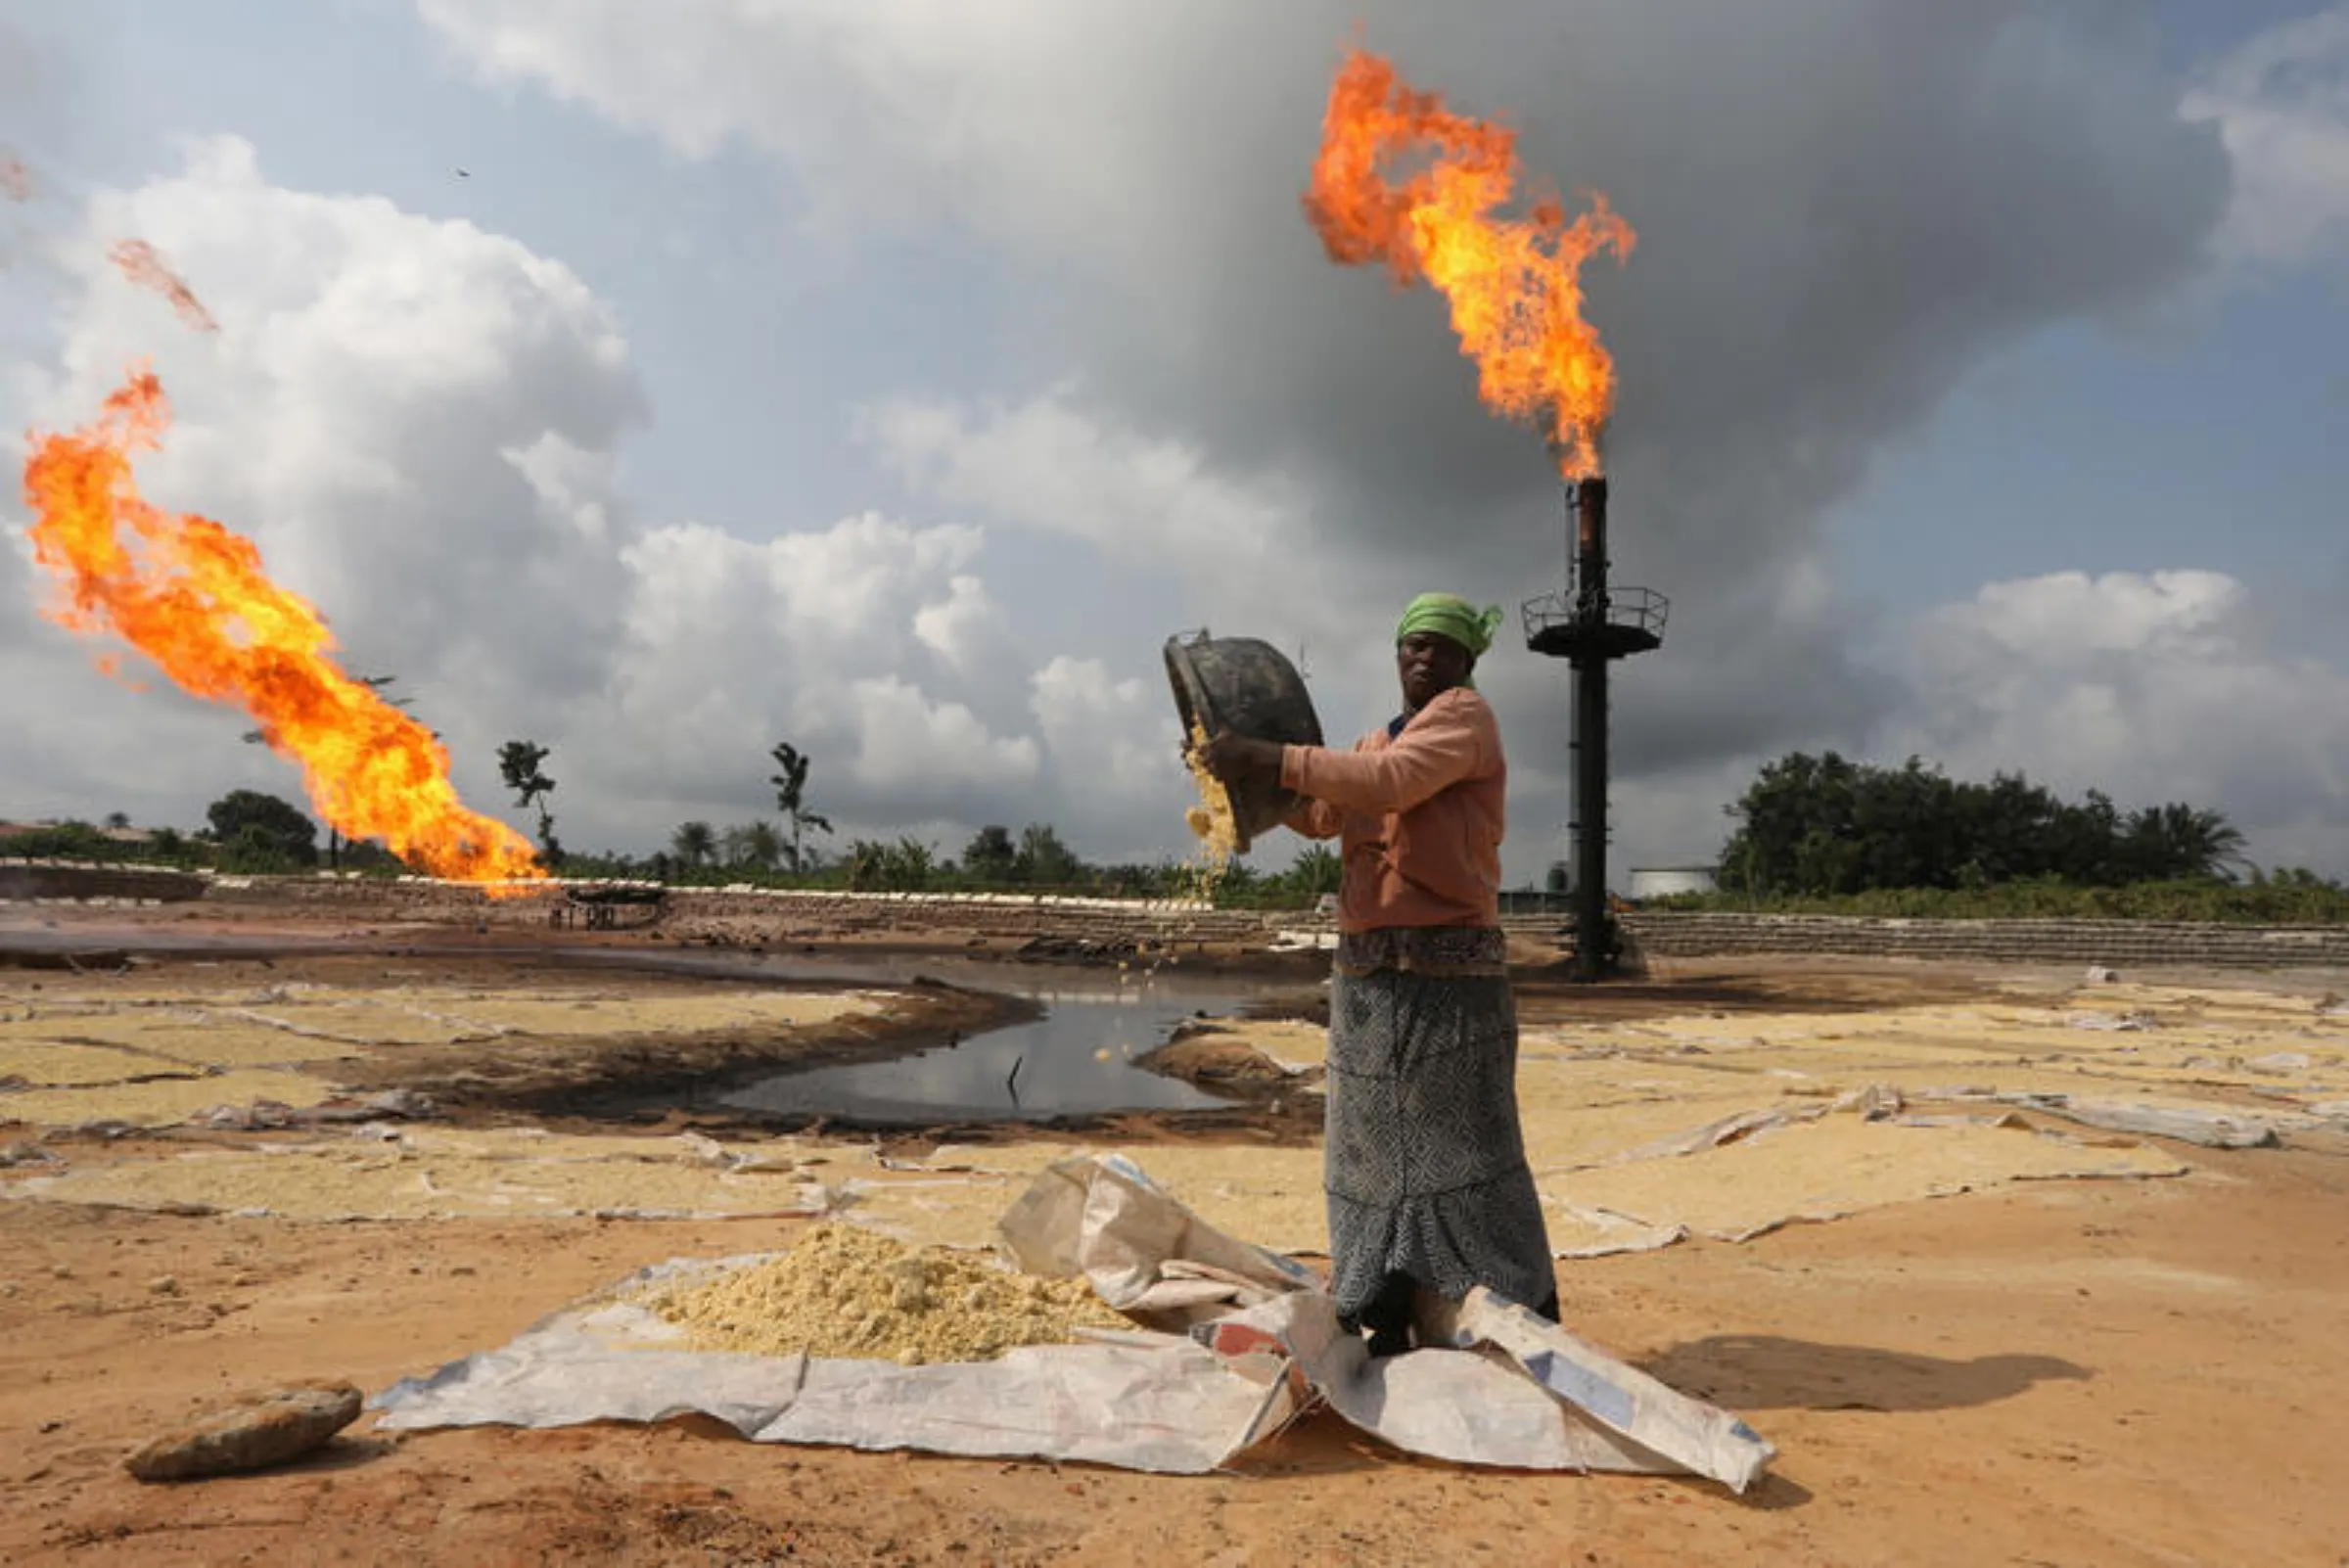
(1447, 615)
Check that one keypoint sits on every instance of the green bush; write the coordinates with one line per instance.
(79, 840)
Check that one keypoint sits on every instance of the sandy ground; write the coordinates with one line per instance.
(2051, 1372)
(2148, 1373)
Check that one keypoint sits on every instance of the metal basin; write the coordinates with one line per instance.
(1247, 686)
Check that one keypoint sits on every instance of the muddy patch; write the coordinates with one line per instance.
(636, 1076)
(478, 1037)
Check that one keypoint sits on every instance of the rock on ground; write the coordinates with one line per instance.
(251, 1436)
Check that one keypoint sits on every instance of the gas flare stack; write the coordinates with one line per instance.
(1590, 627)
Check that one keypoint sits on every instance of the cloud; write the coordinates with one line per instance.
(2281, 102)
(1846, 208)
(1050, 464)
(422, 426)
(2070, 615)
(908, 741)
(811, 636)
(2152, 687)
(959, 627)
(351, 416)
(1116, 741)
(354, 412)
(572, 484)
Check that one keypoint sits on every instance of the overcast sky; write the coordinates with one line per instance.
(892, 378)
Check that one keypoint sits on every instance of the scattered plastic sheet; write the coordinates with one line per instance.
(1239, 1343)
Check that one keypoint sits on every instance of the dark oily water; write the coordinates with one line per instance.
(1076, 1060)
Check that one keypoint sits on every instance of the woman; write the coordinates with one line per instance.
(1424, 1165)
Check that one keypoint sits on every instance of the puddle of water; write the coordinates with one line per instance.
(1076, 1060)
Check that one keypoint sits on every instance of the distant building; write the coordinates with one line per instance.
(1664, 881)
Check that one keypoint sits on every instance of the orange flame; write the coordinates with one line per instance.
(142, 266)
(1514, 284)
(16, 180)
(193, 596)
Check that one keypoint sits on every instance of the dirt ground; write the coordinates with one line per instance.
(2108, 1372)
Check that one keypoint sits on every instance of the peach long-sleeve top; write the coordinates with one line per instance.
(1418, 813)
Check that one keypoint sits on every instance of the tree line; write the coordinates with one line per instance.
(1808, 831)
(1037, 860)
(253, 832)
(1828, 835)
(1825, 826)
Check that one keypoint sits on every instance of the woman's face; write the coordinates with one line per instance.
(1430, 664)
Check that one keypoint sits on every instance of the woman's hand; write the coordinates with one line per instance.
(1234, 758)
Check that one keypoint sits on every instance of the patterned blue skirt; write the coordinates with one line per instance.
(1424, 1163)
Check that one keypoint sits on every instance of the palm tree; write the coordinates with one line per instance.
(763, 845)
(2186, 841)
(791, 792)
(519, 763)
(694, 843)
(756, 845)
